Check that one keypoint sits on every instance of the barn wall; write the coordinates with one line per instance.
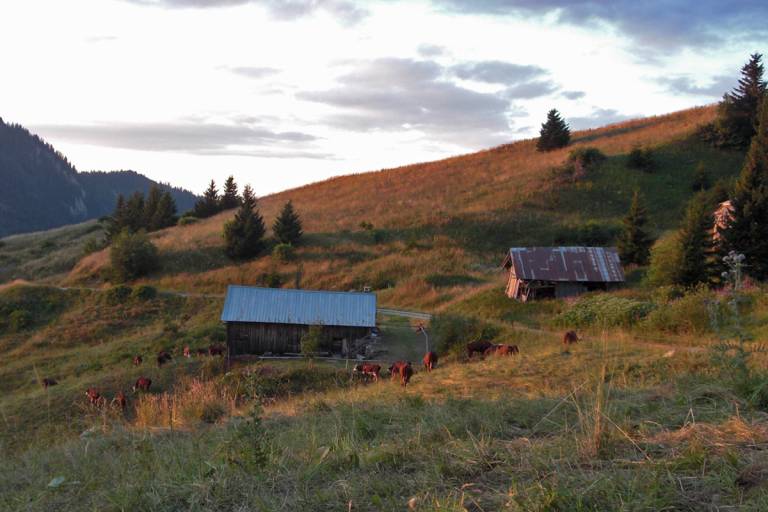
(258, 338)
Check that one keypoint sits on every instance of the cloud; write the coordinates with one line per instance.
(529, 90)
(403, 94)
(685, 85)
(661, 24)
(430, 50)
(496, 72)
(343, 10)
(574, 95)
(598, 117)
(189, 137)
(253, 71)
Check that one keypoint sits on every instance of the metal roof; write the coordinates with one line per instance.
(573, 264)
(303, 307)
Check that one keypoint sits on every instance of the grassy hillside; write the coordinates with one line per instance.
(441, 228)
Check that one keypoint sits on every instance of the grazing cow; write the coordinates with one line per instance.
(405, 374)
(137, 360)
(120, 400)
(570, 337)
(49, 382)
(502, 350)
(162, 358)
(94, 397)
(368, 370)
(142, 383)
(216, 350)
(396, 370)
(202, 352)
(477, 347)
(430, 361)
(187, 352)
(491, 350)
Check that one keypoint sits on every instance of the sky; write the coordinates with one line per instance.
(284, 93)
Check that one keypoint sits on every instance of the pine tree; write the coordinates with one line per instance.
(135, 215)
(165, 213)
(694, 240)
(150, 207)
(701, 180)
(230, 199)
(287, 226)
(554, 133)
(243, 235)
(119, 218)
(737, 113)
(634, 243)
(208, 205)
(747, 233)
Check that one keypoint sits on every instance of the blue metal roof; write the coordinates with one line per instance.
(303, 307)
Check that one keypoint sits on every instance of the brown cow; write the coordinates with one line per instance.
(506, 350)
(49, 382)
(162, 358)
(94, 397)
(368, 370)
(430, 361)
(477, 347)
(491, 350)
(570, 337)
(216, 350)
(137, 360)
(142, 383)
(120, 400)
(395, 370)
(405, 374)
(187, 352)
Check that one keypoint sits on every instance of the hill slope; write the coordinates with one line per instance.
(42, 190)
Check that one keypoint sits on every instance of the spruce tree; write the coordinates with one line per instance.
(165, 213)
(634, 243)
(287, 226)
(150, 207)
(694, 240)
(701, 180)
(737, 113)
(135, 215)
(243, 235)
(747, 233)
(208, 205)
(230, 199)
(119, 218)
(554, 133)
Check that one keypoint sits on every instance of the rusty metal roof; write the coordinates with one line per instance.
(573, 264)
(303, 307)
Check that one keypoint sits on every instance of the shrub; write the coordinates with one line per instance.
(452, 332)
(605, 311)
(19, 320)
(283, 253)
(271, 279)
(94, 245)
(312, 340)
(446, 280)
(118, 294)
(665, 260)
(688, 314)
(187, 220)
(144, 292)
(132, 255)
(641, 159)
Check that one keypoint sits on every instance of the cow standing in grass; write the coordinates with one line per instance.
(402, 370)
(94, 397)
(477, 347)
(120, 400)
(137, 360)
(368, 370)
(162, 358)
(187, 352)
(47, 382)
(430, 361)
(502, 350)
(143, 384)
(569, 338)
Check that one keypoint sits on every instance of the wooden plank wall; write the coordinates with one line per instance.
(258, 338)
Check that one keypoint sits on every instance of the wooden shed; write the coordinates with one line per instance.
(545, 272)
(261, 320)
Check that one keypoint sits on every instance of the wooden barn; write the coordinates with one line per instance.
(261, 320)
(547, 272)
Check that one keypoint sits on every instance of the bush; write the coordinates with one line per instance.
(132, 255)
(452, 332)
(641, 159)
(688, 314)
(605, 311)
(586, 158)
(665, 260)
(94, 245)
(187, 220)
(144, 292)
(118, 294)
(271, 279)
(19, 320)
(312, 340)
(284, 253)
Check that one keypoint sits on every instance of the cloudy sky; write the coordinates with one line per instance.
(282, 93)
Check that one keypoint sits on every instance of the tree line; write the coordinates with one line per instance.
(156, 211)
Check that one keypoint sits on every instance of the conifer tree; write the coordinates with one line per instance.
(694, 240)
(230, 199)
(135, 212)
(554, 133)
(737, 113)
(287, 226)
(119, 218)
(634, 243)
(243, 235)
(208, 205)
(701, 180)
(150, 206)
(165, 213)
(747, 233)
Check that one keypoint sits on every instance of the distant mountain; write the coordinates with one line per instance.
(40, 189)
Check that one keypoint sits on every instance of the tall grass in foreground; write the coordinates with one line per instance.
(192, 402)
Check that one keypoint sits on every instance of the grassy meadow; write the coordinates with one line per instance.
(659, 407)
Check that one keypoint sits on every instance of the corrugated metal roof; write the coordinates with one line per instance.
(579, 264)
(303, 307)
